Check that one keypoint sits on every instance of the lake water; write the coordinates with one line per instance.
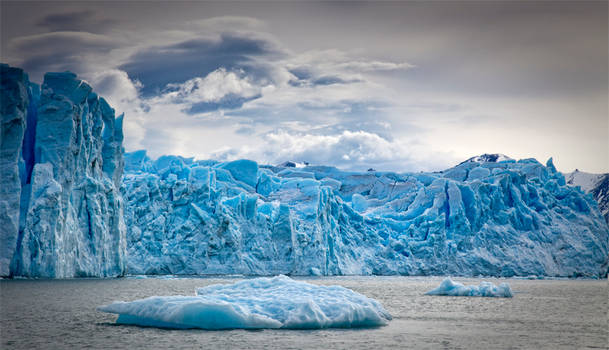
(549, 314)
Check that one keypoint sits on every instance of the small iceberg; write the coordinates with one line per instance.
(278, 302)
(484, 289)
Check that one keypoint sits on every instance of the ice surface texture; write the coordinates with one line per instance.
(595, 184)
(61, 212)
(484, 289)
(500, 218)
(277, 302)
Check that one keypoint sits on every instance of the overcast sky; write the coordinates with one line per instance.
(403, 86)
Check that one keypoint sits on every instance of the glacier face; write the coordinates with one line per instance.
(502, 218)
(13, 108)
(61, 210)
(61, 154)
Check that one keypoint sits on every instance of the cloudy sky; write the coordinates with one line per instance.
(403, 86)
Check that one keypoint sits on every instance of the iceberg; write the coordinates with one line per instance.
(278, 302)
(484, 289)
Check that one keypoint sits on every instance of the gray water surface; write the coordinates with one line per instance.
(544, 314)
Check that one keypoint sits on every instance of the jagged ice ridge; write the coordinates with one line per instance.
(506, 218)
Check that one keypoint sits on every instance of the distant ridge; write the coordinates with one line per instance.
(487, 158)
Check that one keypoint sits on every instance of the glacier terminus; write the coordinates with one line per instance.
(73, 204)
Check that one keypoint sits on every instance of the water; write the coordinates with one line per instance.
(551, 314)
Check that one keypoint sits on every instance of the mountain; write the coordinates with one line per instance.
(509, 218)
(61, 211)
(488, 158)
(595, 184)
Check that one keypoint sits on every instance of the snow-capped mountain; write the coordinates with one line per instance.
(488, 158)
(595, 184)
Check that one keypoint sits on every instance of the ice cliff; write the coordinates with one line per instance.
(61, 212)
(501, 218)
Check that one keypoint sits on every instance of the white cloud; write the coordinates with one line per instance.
(212, 87)
(350, 150)
(116, 87)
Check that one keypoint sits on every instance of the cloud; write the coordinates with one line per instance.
(227, 23)
(83, 20)
(116, 87)
(230, 101)
(369, 66)
(218, 90)
(213, 87)
(58, 51)
(158, 66)
(349, 150)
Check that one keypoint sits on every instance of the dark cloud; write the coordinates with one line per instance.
(227, 102)
(158, 66)
(59, 51)
(246, 130)
(84, 20)
(333, 79)
(306, 77)
(323, 81)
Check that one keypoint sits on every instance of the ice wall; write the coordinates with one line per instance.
(13, 106)
(61, 151)
(502, 218)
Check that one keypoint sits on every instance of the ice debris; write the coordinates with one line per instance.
(484, 289)
(278, 302)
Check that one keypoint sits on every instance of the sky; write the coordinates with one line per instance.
(401, 86)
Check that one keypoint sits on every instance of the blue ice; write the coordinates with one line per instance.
(277, 302)
(484, 289)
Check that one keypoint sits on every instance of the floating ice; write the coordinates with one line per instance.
(277, 302)
(484, 289)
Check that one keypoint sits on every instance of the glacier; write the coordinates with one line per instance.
(61, 157)
(278, 302)
(498, 217)
(484, 289)
(595, 184)
(73, 204)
